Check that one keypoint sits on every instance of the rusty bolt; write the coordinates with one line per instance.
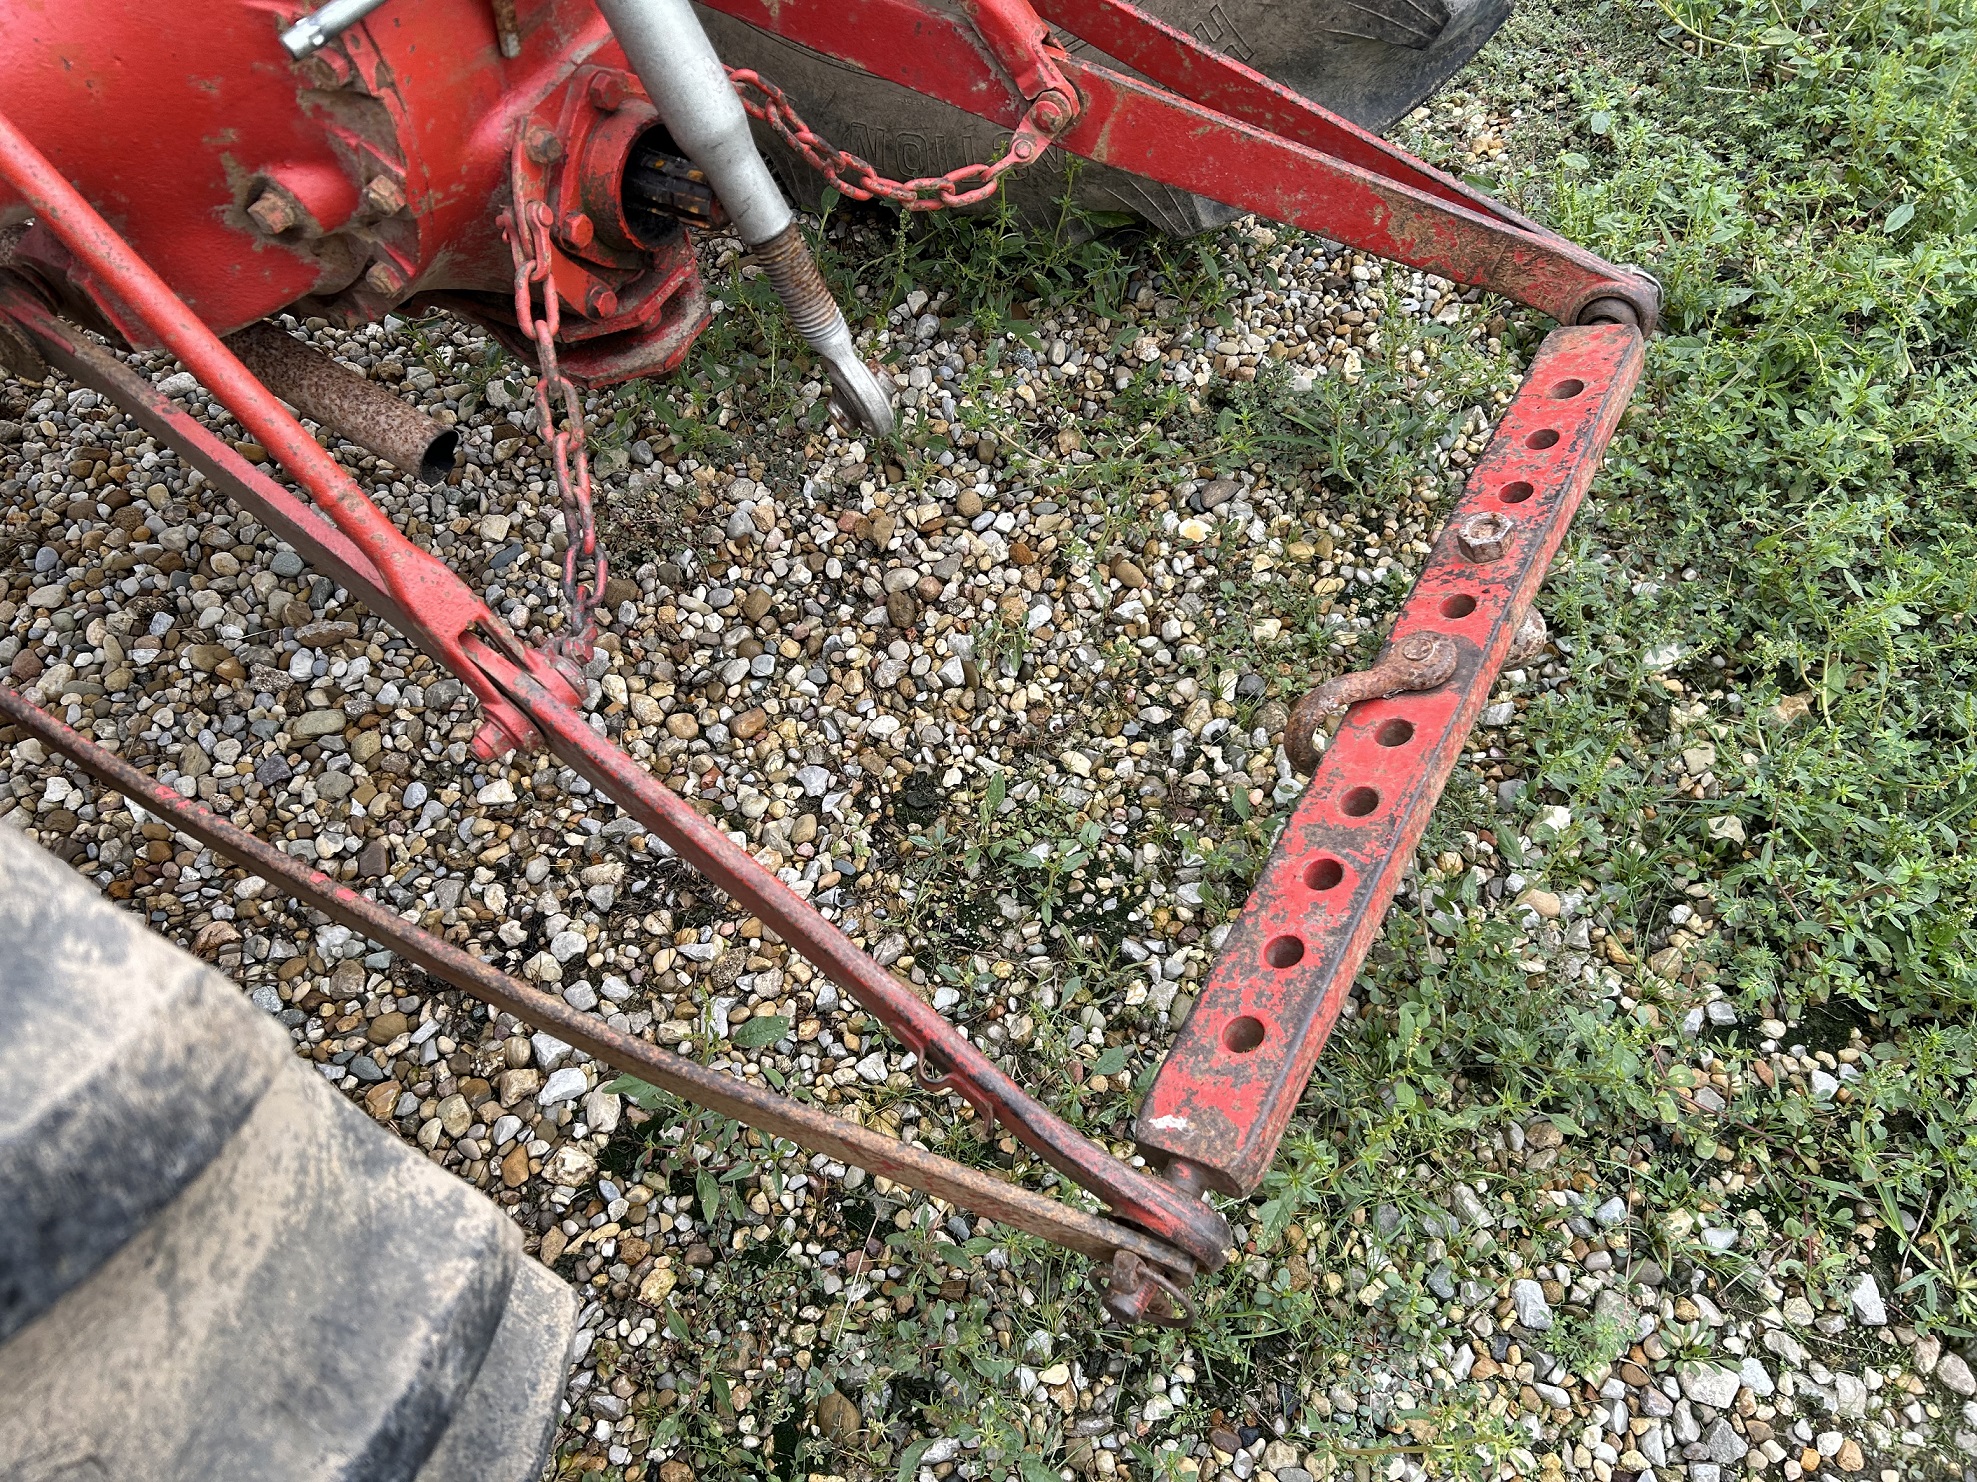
(384, 195)
(578, 229)
(544, 147)
(608, 90)
(384, 277)
(273, 212)
(601, 302)
(1483, 536)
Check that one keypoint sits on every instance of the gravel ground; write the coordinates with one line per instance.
(984, 699)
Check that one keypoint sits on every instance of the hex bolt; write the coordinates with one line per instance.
(579, 230)
(384, 195)
(601, 302)
(543, 146)
(608, 90)
(383, 276)
(273, 212)
(1483, 536)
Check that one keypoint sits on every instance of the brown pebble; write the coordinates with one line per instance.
(902, 609)
(387, 1027)
(1849, 1458)
(296, 615)
(619, 589)
(748, 725)
(929, 588)
(553, 1242)
(682, 726)
(883, 525)
(837, 1418)
(1021, 554)
(985, 448)
(755, 606)
(382, 1099)
(1127, 574)
(324, 634)
(515, 1169)
(26, 665)
(968, 504)
(699, 1255)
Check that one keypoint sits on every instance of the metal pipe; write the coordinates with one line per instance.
(837, 1137)
(687, 83)
(416, 580)
(346, 403)
(683, 75)
(320, 27)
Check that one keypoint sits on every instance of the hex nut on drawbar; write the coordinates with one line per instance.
(273, 212)
(1483, 535)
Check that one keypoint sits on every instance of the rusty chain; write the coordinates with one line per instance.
(860, 180)
(526, 226)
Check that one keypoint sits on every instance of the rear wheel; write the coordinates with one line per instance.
(1367, 60)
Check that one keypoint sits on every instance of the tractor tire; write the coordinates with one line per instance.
(213, 1266)
(1367, 60)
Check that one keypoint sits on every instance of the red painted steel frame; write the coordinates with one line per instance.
(528, 698)
(1232, 135)
(1222, 1099)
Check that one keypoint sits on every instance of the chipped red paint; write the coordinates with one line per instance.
(1223, 1097)
(383, 160)
(1229, 133)
(372, 176)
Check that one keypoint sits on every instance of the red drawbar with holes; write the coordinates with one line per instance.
(1221, 1101)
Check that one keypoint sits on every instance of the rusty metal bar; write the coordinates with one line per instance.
(948, 1061)
(291, 517)
(419, 583)
(840, 1138)
(346, 403)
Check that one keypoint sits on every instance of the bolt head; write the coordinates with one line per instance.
(273, 212)
(608, 90)
(383, 276)
(544, 147)
(601, 302)
(384, 195)
(1482, 537)
(579, 230)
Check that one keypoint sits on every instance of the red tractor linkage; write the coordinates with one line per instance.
(536, 165)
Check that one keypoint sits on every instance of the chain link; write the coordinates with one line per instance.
(861, 181)
(526, 225)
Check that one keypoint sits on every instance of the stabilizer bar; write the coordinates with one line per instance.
(1222, 1099)
(1227, 132)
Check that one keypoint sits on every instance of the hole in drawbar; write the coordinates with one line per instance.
(1359, 802)
(1323, 874)
(1241, 1035)
(1284, 952)
(1566, 389)
(1458, 606)
(1544, 437)
(1515, 493)
(1395, 733)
